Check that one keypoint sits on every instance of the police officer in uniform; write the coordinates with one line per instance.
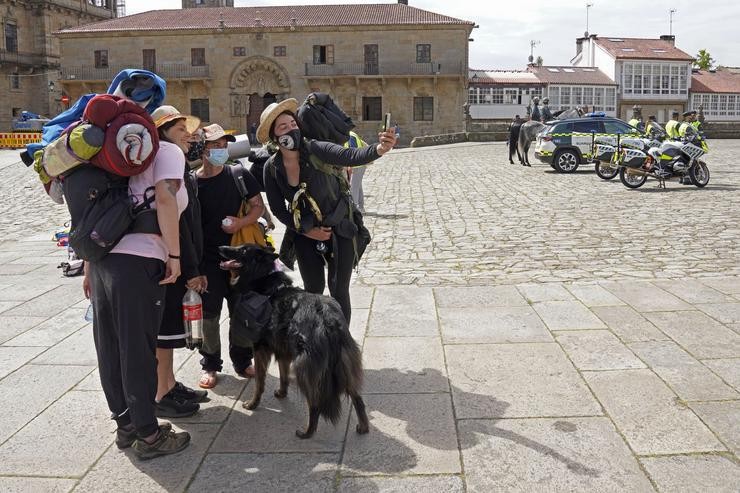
(546, 113)
(687, 119)
(671, 127)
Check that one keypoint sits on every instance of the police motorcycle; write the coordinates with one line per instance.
(607, 155)
(666, 160)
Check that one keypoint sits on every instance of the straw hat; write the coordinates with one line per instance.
(166, 113)
(270, 114)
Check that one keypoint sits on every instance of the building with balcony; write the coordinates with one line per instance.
(226, 64)
(651, 73)
(717, 91)
(29, 54)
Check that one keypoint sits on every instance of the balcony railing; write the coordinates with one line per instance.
(24, 59)
(168, 71)
(384, 69)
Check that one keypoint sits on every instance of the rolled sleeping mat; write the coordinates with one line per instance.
(240, 148)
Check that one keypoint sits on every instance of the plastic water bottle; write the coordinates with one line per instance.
(89, 313)
(192, 317)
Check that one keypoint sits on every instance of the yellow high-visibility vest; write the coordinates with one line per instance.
(671, 128)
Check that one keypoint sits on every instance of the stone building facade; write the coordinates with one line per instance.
(29, 54)
(226, 64)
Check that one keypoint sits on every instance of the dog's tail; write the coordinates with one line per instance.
(328, 362)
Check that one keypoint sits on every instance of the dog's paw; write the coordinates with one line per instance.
(281, 393)
(251, 405)
(361, 429)
(302, 434)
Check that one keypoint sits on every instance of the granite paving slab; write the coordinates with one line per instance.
(597, 350)
(727, 313)
(36, 485)
(403, 312)
(694, 473)
(628, 324)
(408, 484)
(492, 324)
(516, 380)
(723, 418)
(12, 358)
(407, 436)
(553, 454)
(395, 365)
(686, 376)
(31, 389)
(592, 295)
(567, 315)
(727, 369)
(310, 473)
(82, 432)
(649, 415)
(644, 296)
(478, 296)
(699, 334)
(122, 471)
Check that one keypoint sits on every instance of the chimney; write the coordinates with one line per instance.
(403, 2)
(670, 38)
(579, 45)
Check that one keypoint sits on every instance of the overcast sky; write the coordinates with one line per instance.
(506, 27)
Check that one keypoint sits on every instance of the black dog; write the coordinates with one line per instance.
(306, 329)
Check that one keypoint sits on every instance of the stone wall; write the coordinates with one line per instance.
(231, 79)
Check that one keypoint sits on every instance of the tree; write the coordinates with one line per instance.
(539, 61)
(704, 60)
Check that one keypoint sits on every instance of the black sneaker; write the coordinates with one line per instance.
(168, 442)
(174, 406)
(188, 394)
(126, 438)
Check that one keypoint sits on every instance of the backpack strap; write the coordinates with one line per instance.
(238, 177)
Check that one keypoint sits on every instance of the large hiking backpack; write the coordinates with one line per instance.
(322, 119)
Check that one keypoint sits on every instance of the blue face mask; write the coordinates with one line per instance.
(218, 157)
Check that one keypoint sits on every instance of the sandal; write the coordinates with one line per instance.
(248, 372)
(207, 380)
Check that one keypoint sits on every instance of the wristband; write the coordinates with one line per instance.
(176, 257)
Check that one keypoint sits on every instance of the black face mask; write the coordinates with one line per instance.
(290, 141)
(195, 151)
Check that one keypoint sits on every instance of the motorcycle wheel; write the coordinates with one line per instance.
(606, 171)
(630, 180)
(699, 174)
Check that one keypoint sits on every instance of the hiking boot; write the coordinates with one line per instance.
(126, 438)
(188, 394)
(168, 442)
(173, 405)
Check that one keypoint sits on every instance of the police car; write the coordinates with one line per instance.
(564, 144)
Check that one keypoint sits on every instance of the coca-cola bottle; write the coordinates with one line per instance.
(192, 317)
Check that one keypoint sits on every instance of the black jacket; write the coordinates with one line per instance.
(325, 189)
(191, 232)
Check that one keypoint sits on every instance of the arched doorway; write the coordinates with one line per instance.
(255, 83)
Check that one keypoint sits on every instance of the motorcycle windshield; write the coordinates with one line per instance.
(656, 130)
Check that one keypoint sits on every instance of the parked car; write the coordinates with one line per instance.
(565, 144)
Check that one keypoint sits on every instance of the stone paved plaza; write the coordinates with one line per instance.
(522, 330)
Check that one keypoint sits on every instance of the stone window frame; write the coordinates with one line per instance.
(197, 57)
(201, 107)
(423, 108)
(101, 58)
(372, 108)
(15, 81)
(7, 23)
(280, 50)
(323, 54)
(424, 53)
(239, 51)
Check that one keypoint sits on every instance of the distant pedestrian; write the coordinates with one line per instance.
(253, 133)
(514, 128)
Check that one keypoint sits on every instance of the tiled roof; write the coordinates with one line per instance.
(502, 77)
(720, 81)
(652, 49)
(571, 75)
(271, 17)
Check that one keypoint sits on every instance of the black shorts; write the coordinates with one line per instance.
(172, 330)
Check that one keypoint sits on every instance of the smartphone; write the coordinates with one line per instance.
(387, 122)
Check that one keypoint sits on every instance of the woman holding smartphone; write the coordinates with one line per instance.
(310, 199)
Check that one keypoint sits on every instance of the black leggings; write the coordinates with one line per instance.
(128, 305)
(340, 261)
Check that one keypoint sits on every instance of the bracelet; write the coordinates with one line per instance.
(176, 257)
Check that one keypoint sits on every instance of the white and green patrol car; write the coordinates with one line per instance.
(564, 144)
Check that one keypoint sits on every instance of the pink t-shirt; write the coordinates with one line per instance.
(169, 164)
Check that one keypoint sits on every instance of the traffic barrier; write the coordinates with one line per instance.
(18, 140)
